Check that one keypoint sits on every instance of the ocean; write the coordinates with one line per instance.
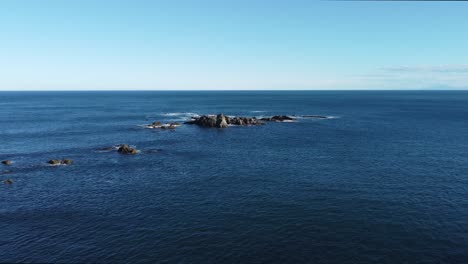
(383, 180)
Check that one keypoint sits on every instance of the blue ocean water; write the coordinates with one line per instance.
(384, 181)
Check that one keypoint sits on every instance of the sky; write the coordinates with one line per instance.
(232, 44)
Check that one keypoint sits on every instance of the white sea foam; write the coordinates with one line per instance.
(180, 114)
(316, 117)
(109, 149)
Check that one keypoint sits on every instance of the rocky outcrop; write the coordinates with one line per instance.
(7, 162)
(126, 149)
(56, 162)
(204, 121)
(222, 121)
(278, 118)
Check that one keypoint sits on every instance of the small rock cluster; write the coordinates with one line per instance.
(56, 162)
(52, 162)
(126, 149)
(160, 125)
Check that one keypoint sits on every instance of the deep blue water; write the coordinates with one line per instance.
(385, 181)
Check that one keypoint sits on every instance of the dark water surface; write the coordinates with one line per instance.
(385, 181)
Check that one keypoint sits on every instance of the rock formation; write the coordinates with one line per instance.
(126, 149)
(222, 121)
(7, 162)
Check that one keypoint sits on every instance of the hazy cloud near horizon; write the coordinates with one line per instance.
(429, 68)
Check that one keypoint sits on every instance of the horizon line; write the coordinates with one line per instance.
(232, 90)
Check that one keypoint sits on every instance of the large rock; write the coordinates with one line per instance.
(221, 121)
(204, 121)
(126, 149)
(7, 162)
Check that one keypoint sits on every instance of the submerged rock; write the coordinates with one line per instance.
(67, 161)
(121, 148)
(315, 116)
(278, 118)
(107, 148)
(54, 162)
(8, 181)
(7, 162)
(126, 149)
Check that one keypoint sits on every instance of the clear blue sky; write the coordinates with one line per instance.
(236, 44)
